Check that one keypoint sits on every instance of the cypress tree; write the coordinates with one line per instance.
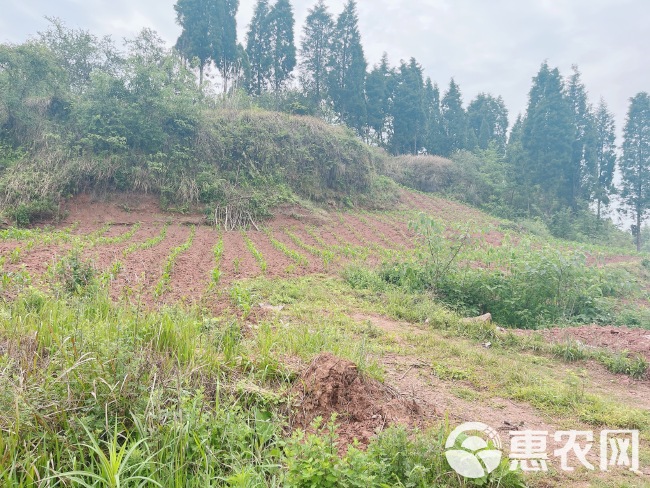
(409, 118)
(209, 32)
(602, 173)
(259, 49)
(433, 116)
(454, 120)
(583, 153)
(547, 137)
(348, 70)
(635, 162)
(316, 52)
(378, 95)
(487, 120)
(281, 24)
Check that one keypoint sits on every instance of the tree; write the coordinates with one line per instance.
(519, 181)
(487, 120)
(348, 70)
(547, 138)
(33, 87)
(79, 52)
(433, 115)
(225, 50)
(209, 32)
(378, 95)
(259, 49)
(239, 71)
(316, 52)
(454, 120)
(602, 173)
(281, 23)
(409, 118)
(584, 141)
(635, 161)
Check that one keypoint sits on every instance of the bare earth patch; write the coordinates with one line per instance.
(363, 406)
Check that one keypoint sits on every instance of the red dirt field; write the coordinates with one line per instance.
(135, 274)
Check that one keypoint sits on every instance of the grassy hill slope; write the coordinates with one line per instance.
(205, 353)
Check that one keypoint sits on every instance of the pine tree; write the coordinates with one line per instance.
(584, 141)
(547, 138)
(209, 32)
(635, 162)
(409, 118)
(316, 52)
(348, 70)
(454, 121)
(281, 23)
(487, 119)
(259, 49)
(602, 173)
(378, 94)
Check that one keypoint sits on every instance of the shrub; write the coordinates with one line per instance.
(75, 275)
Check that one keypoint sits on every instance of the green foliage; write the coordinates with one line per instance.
(255, 252)
(635, 162)
(281, 23)
(259, 48)
(395, 458)
(218, 255)
(621, 363)
(115, 464)
(315, 52)
(487, 118)
(527, 285)
(163, 284)
(209, 32)
(346, 82)
(454, 121)
(408, 111)
(149, 243)
(295, 256)
(316, 161)
(74, 275)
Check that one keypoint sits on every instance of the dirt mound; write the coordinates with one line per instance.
(363, 406)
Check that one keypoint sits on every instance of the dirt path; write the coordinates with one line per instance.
(412, 376)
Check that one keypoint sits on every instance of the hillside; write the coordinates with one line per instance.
(156, 324)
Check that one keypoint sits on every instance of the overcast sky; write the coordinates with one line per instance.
(493, 46)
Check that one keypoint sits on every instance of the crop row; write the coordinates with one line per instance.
(163, 284)
(149, 243)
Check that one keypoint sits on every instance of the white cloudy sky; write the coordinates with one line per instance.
(493, 46)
